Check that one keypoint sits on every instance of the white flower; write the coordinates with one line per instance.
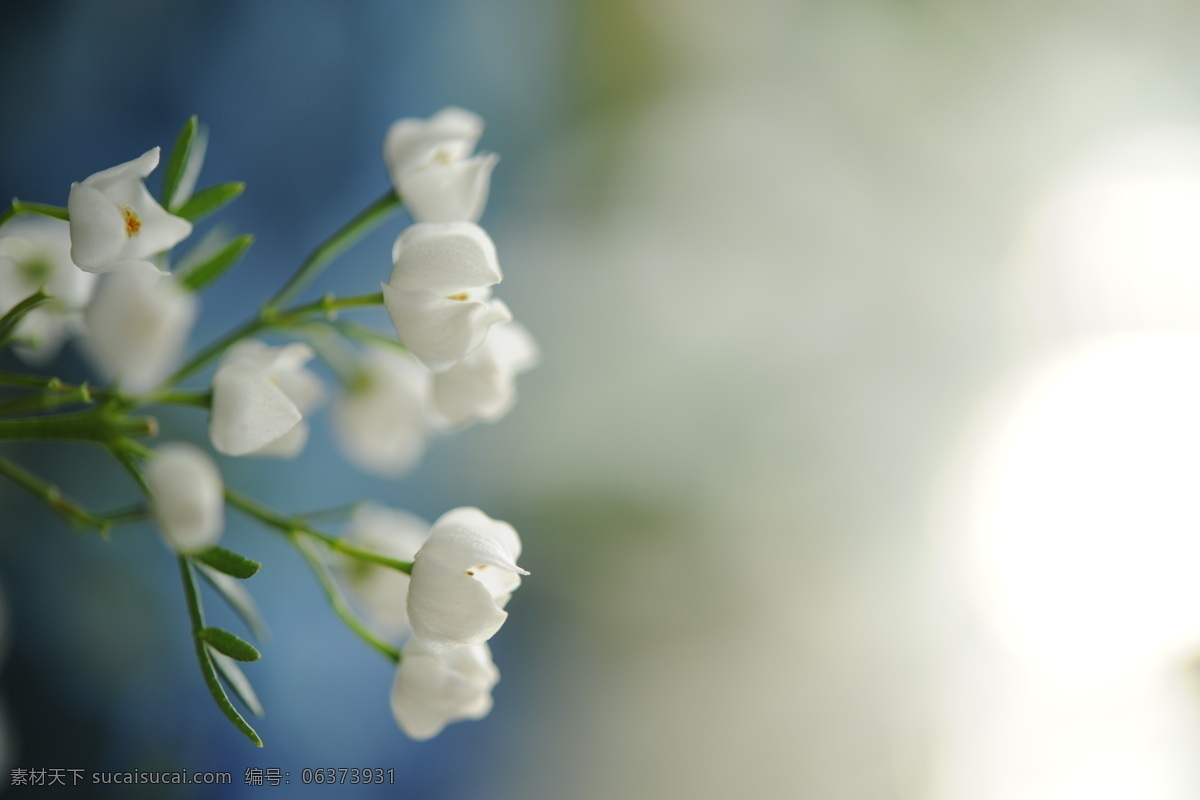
(380, 418)
(35, 253)
(434, 689)
(429, 166)
(382, 591)
(438, 295)
(114, 218)
(186, 496)
(462, 578)
(138, 324)
(483, 385)
(260, 396)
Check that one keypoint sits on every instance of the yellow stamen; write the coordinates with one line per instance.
(459, 296)
(133, 223)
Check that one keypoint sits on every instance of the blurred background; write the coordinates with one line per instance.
(861, 462)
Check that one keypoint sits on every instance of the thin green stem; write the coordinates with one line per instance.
(296, 524)
(179, 398)
(10, 320)
(68, 509)
(338, 601)
(334, 246)
(327, 305)
(97, 425)
(22, 207)
(43, 402)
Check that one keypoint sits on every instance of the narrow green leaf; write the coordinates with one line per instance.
(228, 643)
(176, 164)
(228, 562)
(216, 265)
(206, 201)
(208, 669)
(236, 680)
(238, 598)
(205, 656)
(9, 322)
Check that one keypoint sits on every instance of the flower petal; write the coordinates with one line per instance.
(138, 324)
(433, 689)
(437, 330)
(449, 602)
(186, 495)
(159, 230)
(449, 192)
(411, 143)
(449, 608)
(380, 421)
(129, 172)
(248, 411)
(445, 258)
(97, 228)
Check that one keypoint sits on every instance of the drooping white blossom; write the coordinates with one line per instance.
(35, 253)
(433, 689)
(137, 324)
(186, 496)
(260, 397)
(483, 384)
(431, 167)
(382, 591)
(462, 578)
(439, 295)
(114, 218)
(380, 417)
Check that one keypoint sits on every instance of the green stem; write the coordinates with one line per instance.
(71, 511)
(22, 207)
(10, 320)
(192, 593)
(42, 402)
(327, 305)
(294, 525)
(338, 601)
(334, 246)
(94, 425)
(179, 398)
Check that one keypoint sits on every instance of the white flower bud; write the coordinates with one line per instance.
(138, 324)
(186, 496)
(380, 418)
(433, 689)
(429, 166)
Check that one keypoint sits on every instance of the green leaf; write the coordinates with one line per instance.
(228, 562)
(217, 264)
(233, 676)
(237, 597)
(206, 201)
(206, 656)
(228, 643)
(177, 163)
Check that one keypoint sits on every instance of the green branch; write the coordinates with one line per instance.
(327, 306)
(334, 246)
(98, 425)
(66, 508)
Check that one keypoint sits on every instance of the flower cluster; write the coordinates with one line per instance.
(102, 272)
(463, 572)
